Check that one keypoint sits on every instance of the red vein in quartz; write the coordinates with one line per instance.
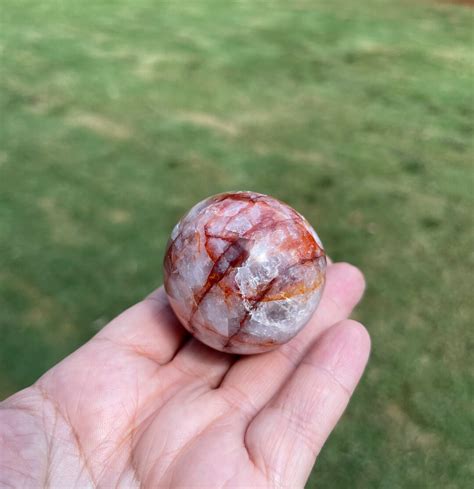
(213, 277)
(246, 315)
(242, 196)
(260, 297)
(229, 239)
(233, 256)
(216, 275)
(168, 261)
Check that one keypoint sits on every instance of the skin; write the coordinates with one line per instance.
(143, 404)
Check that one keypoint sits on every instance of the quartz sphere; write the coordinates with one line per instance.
(244, 272)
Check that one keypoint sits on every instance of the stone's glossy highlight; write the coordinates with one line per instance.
(244, 272)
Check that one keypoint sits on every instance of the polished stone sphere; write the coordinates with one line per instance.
(244, 272)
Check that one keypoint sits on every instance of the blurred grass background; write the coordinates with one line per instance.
(117, 116)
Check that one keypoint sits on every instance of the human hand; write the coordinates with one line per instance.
(144, 405)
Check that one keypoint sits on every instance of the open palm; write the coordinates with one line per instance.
(143, 404)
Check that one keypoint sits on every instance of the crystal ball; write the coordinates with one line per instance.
(244, 272)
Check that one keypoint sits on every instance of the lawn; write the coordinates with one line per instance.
(118, 116)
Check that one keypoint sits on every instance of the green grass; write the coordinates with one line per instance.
(118, 116)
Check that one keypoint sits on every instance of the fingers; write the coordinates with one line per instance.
(287, 435)
(149, 328)
(253, 381)
(344, 288)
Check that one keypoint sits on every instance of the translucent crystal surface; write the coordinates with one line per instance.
(244, 272)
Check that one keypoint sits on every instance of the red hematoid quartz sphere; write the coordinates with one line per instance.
(244, 272)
